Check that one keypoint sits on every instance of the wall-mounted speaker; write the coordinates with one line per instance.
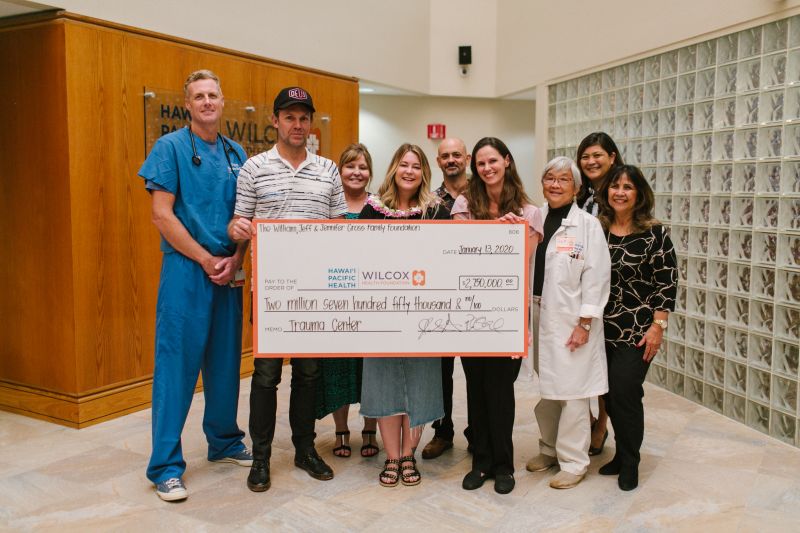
(464, 55)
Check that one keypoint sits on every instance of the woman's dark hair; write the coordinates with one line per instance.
(642, 209)
(604, 141)
(512, 198)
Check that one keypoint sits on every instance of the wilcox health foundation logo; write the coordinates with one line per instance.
(392, 278)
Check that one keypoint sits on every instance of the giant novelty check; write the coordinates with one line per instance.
(370, 288)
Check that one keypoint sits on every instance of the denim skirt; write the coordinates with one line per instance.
(403, 385)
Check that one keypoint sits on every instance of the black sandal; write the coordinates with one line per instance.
(368, 449)
(392, 474)
(409, 474)
(344, 448)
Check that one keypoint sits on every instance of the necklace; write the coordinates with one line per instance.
(392, 213)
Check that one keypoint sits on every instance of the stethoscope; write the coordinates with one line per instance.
(226, 147)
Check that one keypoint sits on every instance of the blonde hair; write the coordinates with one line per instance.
(388, 190)
(353, 152)
(200, 75)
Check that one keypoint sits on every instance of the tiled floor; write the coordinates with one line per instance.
(700, 472)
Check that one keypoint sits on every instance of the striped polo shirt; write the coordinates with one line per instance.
(268, 187)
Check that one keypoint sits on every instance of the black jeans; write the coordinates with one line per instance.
(626, 373)
(444, 428)
(264, 404)
(491, 404)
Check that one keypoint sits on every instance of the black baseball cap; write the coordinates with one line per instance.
(291, 96)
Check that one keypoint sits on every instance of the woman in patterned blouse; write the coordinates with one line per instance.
(643, 288)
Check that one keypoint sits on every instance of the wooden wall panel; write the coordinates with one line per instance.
(36, 337)
(106, 250)
(95, 261)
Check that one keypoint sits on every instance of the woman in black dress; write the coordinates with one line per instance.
(643, 288)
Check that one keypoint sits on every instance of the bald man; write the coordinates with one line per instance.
(453, 159)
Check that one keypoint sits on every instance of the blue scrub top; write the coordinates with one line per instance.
(204, 195)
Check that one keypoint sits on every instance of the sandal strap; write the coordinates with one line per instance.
(412, 468)
(342, 433)
(410, 473)
(368, 432)
(391, 472)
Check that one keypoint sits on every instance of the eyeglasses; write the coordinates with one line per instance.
(561, 181)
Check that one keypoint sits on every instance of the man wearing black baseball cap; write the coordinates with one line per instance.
(292, 96)
(286, 182)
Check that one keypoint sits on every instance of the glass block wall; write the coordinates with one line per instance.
(715, 127)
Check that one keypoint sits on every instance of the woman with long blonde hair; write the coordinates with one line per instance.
(403, 393)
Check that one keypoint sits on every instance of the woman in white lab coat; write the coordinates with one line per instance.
(571, 279)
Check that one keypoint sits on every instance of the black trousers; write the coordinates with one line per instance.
(626, 373)
(491, 404)
(444, 428)
(264, 404)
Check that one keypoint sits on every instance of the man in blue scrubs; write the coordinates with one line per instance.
(191, 175)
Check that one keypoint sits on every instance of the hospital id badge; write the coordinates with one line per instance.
(565, 244)
(238, 279)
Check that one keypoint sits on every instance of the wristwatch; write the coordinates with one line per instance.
(661, 322)
(587, 327)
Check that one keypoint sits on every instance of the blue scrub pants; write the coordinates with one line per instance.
(198, 329)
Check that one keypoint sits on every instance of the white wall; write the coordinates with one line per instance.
(386, 122)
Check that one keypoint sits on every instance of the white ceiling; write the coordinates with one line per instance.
(371, 87)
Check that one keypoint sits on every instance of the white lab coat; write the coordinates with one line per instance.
(577, 277)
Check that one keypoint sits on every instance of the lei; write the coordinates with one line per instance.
(379, 206)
